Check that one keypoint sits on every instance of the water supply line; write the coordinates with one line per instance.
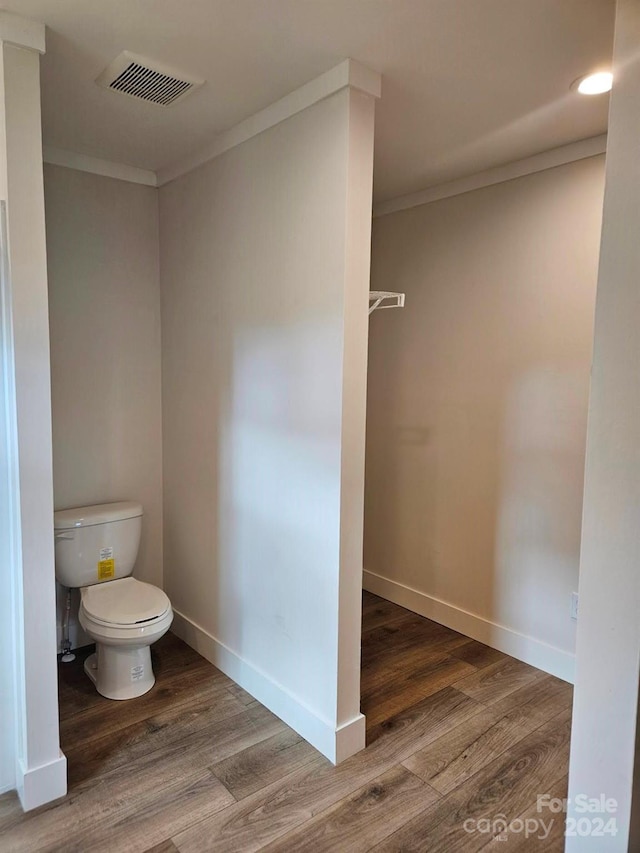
(67, 654)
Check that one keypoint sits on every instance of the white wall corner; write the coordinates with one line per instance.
(351, 737)
(527, 649)
(22, 32)
(42, 769)
(605, 746)
(336, 744)
(363, 78)
(347, 74)
(42, 784)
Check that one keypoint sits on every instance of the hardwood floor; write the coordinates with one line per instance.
(458, 735)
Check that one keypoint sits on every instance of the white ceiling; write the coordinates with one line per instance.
(467, 84)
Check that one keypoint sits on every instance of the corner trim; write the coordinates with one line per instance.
(42, 784)
(347, 73)
(22, 32)
(96, 166)
(336, 743)
(534, 652)
(519, 168)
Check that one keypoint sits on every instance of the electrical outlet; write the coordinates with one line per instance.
(574, 605)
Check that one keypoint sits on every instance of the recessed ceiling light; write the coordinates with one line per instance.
(594, 84)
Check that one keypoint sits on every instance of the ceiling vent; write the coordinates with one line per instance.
(146, 80)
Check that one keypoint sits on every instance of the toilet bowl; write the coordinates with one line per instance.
(96, 549)
(124, 617)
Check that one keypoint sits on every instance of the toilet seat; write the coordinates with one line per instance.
(125, 603)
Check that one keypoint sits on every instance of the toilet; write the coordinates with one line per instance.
(96, 549)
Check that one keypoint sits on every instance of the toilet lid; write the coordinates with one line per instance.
(124, 602)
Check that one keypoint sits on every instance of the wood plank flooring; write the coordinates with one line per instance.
(457, 735)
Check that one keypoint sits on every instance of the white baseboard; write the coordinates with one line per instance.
(534, 652)
(350, 738)
(42, 784)
(336, 743)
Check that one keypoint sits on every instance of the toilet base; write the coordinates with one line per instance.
(120, 672)
(91, 666)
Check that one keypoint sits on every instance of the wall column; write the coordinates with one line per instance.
(40, 774)
(608, 639)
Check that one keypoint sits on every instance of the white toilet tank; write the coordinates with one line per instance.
(95, 544)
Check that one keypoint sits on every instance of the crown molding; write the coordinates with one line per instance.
(538, 163)
(96, 166)
(22, 32)
(347, 74)
(351, 74)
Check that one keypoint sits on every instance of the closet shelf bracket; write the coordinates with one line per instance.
(384, 299)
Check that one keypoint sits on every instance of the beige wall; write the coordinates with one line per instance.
(264, 265)
(477, 406)
(104, 301)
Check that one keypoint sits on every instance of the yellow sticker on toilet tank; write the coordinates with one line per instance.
(106, 569)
